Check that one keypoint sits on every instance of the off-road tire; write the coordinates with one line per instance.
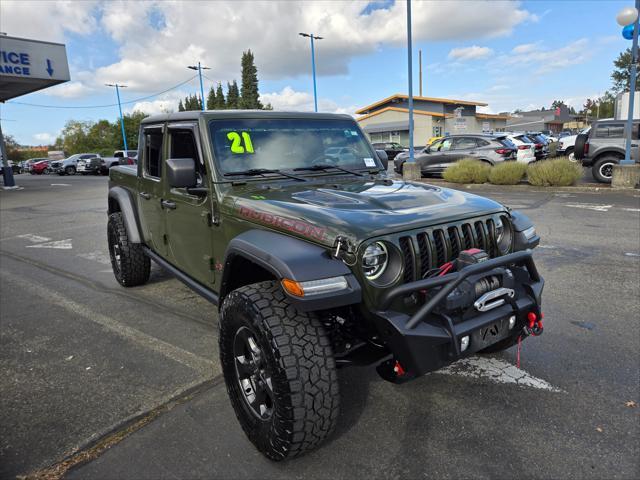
(132, 267)
(298, 360)
(602, 166)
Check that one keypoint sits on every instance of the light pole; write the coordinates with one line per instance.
(199, 68)
(124, 136)
(628, 16)
(409, 58)
(313, 66)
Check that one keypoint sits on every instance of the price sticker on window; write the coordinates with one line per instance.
(240, 142)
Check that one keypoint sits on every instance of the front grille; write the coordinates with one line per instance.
(431, 249)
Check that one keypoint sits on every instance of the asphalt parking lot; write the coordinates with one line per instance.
(82, 358)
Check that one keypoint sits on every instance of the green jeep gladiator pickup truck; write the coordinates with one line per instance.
(316, 260)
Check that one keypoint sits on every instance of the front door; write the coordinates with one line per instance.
(150, 189)
(189, 217)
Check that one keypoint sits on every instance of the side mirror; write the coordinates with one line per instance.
(384, 158)
(427, 149)
(181, 172)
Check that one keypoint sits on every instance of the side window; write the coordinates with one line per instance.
(182, 144)
(445, 145)
(481, 142)
(464, 143)
(153, 152)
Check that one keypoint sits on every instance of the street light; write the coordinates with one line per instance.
(199, 68)
(313, 66)
(124, 136)
(410, 61)
(628, 16)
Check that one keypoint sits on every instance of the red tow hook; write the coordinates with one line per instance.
(399, 371)
(535, 326)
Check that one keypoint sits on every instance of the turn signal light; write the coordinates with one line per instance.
(293, 287)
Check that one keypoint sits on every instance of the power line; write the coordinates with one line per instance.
(101, 106)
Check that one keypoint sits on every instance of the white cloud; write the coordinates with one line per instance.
(167, 103)
(69, 90)
(526, 48)
(47, 20)
(549, 60)
(470, 53)
(44, 138)
(157, 40)
(289, 99)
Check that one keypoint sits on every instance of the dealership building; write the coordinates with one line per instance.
(388, 120)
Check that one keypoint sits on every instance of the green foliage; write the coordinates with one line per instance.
(467, 170)
(191, 102)
(211, 99)
(180, 106)
(559, 172)
(622, 72)
(220, 103)
(233, 96)
(102, 137)
(249, 96)
(507, 173)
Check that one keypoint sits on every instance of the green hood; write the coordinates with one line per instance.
(357, 211)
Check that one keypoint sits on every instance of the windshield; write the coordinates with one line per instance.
(285, 144)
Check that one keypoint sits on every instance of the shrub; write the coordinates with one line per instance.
(467, 170)
(559, 172)
(507, 173)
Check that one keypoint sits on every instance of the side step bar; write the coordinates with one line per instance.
(187, 280)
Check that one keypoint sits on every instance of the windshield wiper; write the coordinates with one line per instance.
(260, 171)
(327, 167)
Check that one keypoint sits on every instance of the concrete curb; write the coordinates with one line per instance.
(585, 187)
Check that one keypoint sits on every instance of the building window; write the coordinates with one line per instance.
(394, 137)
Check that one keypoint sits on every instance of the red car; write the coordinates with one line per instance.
(39, 167)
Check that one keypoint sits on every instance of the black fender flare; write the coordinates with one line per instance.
(129, 212)
(521, 223)
(292, 258)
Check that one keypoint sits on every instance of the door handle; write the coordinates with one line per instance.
(168, 204)
(145, 195)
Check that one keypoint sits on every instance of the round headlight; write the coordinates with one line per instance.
(375, 260)
(504, 235)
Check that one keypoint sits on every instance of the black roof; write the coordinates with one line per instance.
(239, 114)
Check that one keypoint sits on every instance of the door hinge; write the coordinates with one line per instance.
(209, 219)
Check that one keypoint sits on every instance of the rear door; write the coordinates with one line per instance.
(463, 147)
(189, 217)
(150, 189)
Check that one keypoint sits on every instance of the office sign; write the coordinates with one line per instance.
(30, 65)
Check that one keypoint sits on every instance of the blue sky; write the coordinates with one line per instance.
(510, 55)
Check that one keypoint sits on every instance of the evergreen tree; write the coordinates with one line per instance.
(233, 95)
(211, 99)
(250, 98)
(180, 106)
(622, 72)
(220, 102)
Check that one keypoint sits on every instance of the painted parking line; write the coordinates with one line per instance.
(589, 206)
(60, 184)
(496, 371)
(65, 244)
(631, 209)
(34, 238)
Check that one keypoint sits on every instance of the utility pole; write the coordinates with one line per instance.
(409, 57)
(124, 135)
(199, 68)
(420, 66)
(313, 66)
(632, 91)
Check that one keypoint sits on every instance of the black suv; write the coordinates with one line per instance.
(391, 148)
(604, 146)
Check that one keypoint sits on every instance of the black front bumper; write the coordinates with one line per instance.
(430, 338)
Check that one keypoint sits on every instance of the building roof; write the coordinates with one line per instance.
(401, 96)
(399, 109)
(492, 116)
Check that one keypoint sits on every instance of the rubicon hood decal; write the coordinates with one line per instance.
(293, 225)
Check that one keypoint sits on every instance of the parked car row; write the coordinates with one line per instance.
(82, 163)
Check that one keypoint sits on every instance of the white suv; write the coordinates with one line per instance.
(526, 151)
